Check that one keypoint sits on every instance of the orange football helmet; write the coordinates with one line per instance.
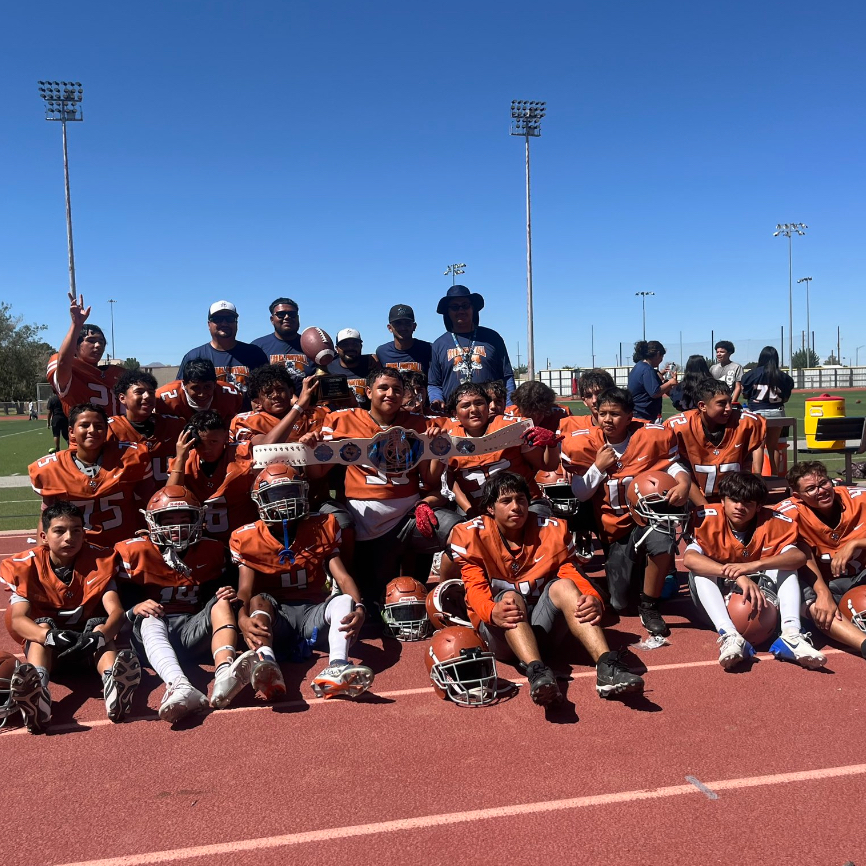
(405, 611)
(461, 667)
(646, 495)
(755, 629)
(162, 517)
(853, 606)
(446, 604)
(281, 493)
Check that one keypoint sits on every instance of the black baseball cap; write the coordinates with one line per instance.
(401, 311)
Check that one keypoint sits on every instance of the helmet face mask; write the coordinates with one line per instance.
(405, 609)
(563, 502)
(852, 606)
(469, 680)
(659, 514)
(174, 519)
(282, 500)
(446, 604)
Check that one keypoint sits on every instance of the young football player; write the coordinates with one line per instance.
(832, 522)
(522, 582)
(74, 372)
(415, 392)
(164, 579)
(197, 391)
(604, 460)
(714, 440)
(65, 607)
(101, 477)
(497, 396)
(285, 560)
(537, 402)
(734, 543)
(136, 392)
(590, 386)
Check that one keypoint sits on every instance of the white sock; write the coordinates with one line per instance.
(338, 643)
(267, 653)
(160, 652)
(788, 590)
(711, 598)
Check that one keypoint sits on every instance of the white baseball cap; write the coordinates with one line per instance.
(222, 307)
(348, 334)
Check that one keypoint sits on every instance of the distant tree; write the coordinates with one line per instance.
(832, 360)
(805, 358)
(520, 369)
(131, 364)
(750, 365)
(23, 356)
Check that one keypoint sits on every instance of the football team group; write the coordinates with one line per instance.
(283, 495)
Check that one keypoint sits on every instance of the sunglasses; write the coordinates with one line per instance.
(454, 308)
(285, 314)
(224, 320)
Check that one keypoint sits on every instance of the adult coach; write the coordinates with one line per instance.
(645, 384)
(232, 359)
(283, 344)
(466, 352)
(404, 352)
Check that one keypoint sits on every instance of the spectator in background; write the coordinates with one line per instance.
(726, 370)
(644, 382)
(355, 366)
(466, 352)
(283, 344)
(31, 411)
(685, 396)
(767, 388)
(232, 359)
(57, 421)
(404, 352)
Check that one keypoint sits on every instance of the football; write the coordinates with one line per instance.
(318, 346)
(758, 629)
(8, 663)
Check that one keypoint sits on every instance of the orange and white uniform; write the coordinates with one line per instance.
(647, 447)
(31, 578)
(171, 400)
(713, 536)
(248, 424)
(744, 434)
(224, 489)
(87, 384)
(488, 567)
(161, 444)
(111, 512)
(824, 540)
(139, 560)
(317, 540)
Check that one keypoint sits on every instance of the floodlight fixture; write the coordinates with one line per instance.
(788, 230)
(454, 270)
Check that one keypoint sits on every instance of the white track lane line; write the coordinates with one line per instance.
(424, 822)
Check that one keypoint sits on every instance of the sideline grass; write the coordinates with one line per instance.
(22, 442)
(19, 508)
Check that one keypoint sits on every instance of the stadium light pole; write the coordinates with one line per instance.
(643, 297)
(63, 103)
(788, 230)
(857, 355)
(112, 302)
(454, 270)
(526, 120)
(807, 281)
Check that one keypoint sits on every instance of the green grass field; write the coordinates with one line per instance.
(22, 442)
(19, 508)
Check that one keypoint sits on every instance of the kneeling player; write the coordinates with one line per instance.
(522, 580)
(61, 592)
(287, 607)
(171, 610)
(735, 544)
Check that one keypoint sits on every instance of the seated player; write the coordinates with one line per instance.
(102, 477)
(74, 372)
(197, 391)
(522, 582)
(537, 401)
(735, 542)
(604, 460)
(218, 473)
(286, 559)
(832, 522)
(497, 396)
(415, 392)
(715, 440)
(173, 584)
(136, 392)
(65, 607)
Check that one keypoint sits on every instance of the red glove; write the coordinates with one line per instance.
(425, 519)
(541, 437)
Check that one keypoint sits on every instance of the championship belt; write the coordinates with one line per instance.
(394, 451)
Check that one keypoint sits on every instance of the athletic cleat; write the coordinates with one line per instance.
(795, 646)
(120, 684)
(543, 688)
(612, 677)
(342, 679)
(652, 620)
(267, 679)
(31, 698)
(227, 687)
(181, 699)
(733, 649)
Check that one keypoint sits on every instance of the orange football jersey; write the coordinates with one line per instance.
(317, 541)
(825, 540)
(248, 424)
(29, 575)
(568, 425)
(227, 401)
(87, 384)
(488, 567)
(141, 562)
(111, 512)
(365, 482)
(652, 446)
(744, 434)
(225, 491)
(472, 471)
(713, 534)
(161, 445)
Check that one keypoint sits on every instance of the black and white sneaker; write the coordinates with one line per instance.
(543, 688)
(31, 697)
(612, 677)
(652, 620)
(121, 681)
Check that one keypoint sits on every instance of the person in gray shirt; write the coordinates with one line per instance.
(726, 370)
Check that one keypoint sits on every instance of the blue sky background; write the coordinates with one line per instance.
(344, 154)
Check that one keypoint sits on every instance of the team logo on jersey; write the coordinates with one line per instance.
(350, 452)
(323, 452)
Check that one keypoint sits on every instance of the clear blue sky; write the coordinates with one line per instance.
(344, 154)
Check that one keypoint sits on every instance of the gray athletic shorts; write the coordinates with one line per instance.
(344, 518)
(623, 556)
(838, 587)
(295, 622)
(188, 633)
(546, 620)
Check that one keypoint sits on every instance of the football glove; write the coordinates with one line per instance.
(541, 437)
(425, 519)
